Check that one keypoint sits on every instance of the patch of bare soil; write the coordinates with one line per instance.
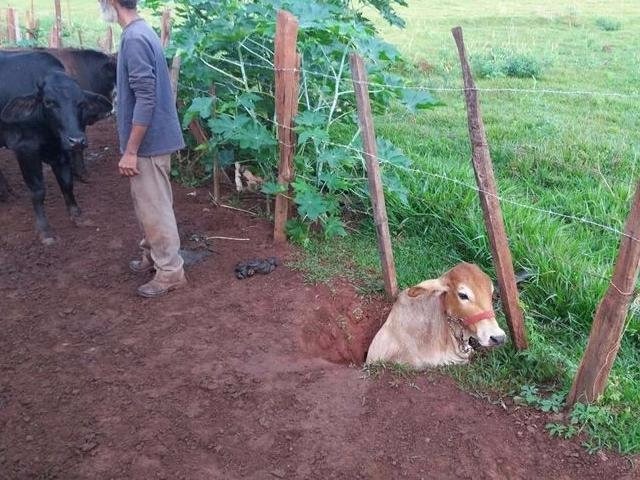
(227, 379)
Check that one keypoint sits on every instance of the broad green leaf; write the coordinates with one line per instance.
(418, 99)
(333, 227)
(311, 204)
(273, 188)
(390, 154)
(310, 118)
(318, 136)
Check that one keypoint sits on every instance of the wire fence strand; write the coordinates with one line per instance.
(444, 177)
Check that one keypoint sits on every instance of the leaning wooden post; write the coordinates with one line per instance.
(365, 119)
(286, 66)
(488, 192)
(608, 323)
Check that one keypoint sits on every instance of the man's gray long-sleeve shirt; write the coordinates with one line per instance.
(144, 95)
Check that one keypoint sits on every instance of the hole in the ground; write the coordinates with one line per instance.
(340, 328)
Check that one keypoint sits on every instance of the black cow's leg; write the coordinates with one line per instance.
(31, 168)
(63, 172)
(78, 167)
(64, 175)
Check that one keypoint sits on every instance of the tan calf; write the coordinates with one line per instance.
(430, 324)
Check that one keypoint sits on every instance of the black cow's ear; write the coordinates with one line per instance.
(20, 109)
(96, 108)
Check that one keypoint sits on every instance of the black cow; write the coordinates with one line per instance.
(94, 71)
(43, 113)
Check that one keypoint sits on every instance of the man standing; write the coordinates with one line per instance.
(149, 132)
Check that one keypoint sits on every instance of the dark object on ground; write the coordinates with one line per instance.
(251, 267)
(523, 276)
(191, 257)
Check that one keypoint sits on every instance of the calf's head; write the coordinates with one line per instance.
(466, 296)
(62, 105)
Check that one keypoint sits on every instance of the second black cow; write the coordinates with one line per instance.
(43, 115)
(94, 71)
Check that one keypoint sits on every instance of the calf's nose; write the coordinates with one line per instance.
(498, 339)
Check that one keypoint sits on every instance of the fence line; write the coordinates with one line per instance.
(501, 198)
(461, 183)
(409, 86)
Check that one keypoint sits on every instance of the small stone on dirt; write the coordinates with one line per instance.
(279, 473)
(88, 446)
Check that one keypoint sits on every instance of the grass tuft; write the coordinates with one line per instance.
(608, 24)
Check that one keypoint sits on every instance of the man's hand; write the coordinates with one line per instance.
(128, 165)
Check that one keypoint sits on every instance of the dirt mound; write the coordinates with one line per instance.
(228, 378)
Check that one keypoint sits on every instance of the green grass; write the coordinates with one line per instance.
(557, 158)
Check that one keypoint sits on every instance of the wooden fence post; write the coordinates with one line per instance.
(174, 74)
(608, 323)
(13, 28)
(32, 23)
(165, 28)
(286, 66)
(367, 131)
(108, 43)
(488, 192)
(56, 32)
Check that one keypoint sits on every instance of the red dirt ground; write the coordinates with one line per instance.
(228, 378)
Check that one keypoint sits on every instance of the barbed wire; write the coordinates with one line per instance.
(421, 87)
(500, 198)
(444, 177)
(475, 188)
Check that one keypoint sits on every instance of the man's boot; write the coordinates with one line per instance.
(145, 264)
(162, 284)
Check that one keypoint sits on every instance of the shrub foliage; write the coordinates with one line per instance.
(229, 44)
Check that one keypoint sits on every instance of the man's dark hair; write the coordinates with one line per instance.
(130, 4)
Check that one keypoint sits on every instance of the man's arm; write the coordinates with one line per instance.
(142, 79)
(129, 162)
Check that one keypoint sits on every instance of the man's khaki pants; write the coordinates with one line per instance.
(153, 203)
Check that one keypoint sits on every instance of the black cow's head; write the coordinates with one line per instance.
(64, 107)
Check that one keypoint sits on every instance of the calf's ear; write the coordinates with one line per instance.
(428, 287)
(96, 108)
(20, 109)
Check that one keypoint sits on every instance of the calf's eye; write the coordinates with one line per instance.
(463, 296)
